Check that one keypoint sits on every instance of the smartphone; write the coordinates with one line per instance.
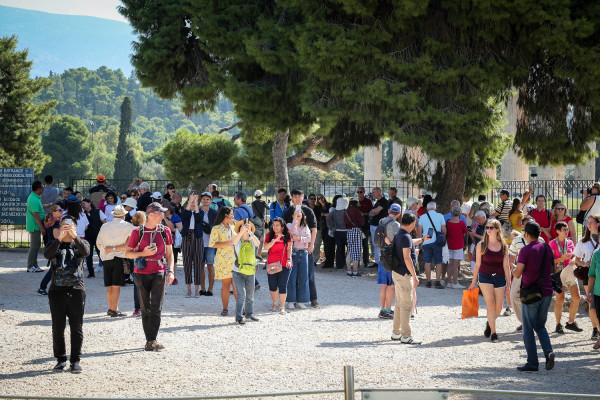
(152, 245)
(68, 221)
(469, 228)
(430, 232)
(298, 208)
(246, 221)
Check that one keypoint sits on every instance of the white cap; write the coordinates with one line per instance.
(157, 196)
(258, 193)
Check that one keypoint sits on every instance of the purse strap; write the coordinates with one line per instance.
(432, 224)
(542, 267)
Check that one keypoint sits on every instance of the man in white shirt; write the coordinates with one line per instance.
(112, 243)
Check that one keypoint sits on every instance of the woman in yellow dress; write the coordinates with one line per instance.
(220, 239)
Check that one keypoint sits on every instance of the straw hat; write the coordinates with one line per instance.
(238, 226)
(119, 211)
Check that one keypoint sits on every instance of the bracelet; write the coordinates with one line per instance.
(170, 272)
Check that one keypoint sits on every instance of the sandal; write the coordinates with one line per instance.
(274, 308)
(282, 311)
(596, 346)
(224, 312)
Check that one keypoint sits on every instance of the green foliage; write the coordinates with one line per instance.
(21, 120)
(69, 144)
(195, 158)
(127, 163)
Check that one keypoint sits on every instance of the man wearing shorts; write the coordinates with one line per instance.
(113, 236)
(431, 251)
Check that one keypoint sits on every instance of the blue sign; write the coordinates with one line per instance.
(15, 187)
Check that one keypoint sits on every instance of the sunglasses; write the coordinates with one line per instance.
(312, 198)
(123, 198)
(489, 228)
(359, 191)
(565, 229)
(560, 208)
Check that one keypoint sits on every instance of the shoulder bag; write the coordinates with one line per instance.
(440, 238)
(277, 266)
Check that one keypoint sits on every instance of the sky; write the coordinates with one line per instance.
(94, 8)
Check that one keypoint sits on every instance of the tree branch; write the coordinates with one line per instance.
(230, 127)
(302, 157)
(322, 165)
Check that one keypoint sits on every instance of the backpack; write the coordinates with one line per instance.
(387, 256)
(245, 261)
(379, 237)
(220, 204)
(256, 221)
(66, 262)
(96, 197)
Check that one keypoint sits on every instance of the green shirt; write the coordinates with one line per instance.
(34, 204)
(595, 271)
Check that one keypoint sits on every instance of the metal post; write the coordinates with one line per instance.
(348, 382)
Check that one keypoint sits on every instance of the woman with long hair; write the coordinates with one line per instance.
(561, 214)
(75, 211)
(493, 273)
(192, 244)
(52, 225)
(278, 243)
(96, 219)
(584, 249)
(220, 239)
(515, 215)
(562, 249)
(297, 286)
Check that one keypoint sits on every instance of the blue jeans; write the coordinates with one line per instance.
(297, 287)
(136, 296)
(244, 284)
(375, 248)
(312, 288)
(534, 319)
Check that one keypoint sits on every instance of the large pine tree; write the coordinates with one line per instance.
(127, 165)
(21, 121)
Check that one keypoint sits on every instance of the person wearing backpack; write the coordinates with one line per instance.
(66, 294)
(244, 269)
(384, 235)
(432, 223)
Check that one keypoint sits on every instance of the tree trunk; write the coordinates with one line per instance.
(280, 166)
(453, 183)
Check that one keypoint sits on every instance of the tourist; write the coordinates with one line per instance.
(501, 211)
(379, 211)
(208, 217)
(405, 278)
(75, 211)
(384, 278)
(542, 216)
(297, 197)
(123, 197)
(244, 269)
(173, 221)
(192, 244)
(336, 224)
(242, 211)
(476, 233)
(583, 252)
(593, 289)
(112, 234)
(279, 206)
(492, 273)
(561, 214)
(422, 209)
(100, 185)
(457, 229)
(562, 249)
(34, 218)
(365, 206)
(145, 197)
(176, 202)
(591, 200)
(138, 219)
(279, 245)
(220, 239)
(66, 294)
(152, 245)
(354, 223)
(156, 197)
(322, 209)
(393, 193)
(130, 205)
(108, 205)
(66, 193)
(432, 222)
(52, 226)
(465, 209)
(297, 286)
(95, 219)
(50, 194)
(312, 204)
(515, 216)
(535, 265)
(218, 201)
(260, 208)
(170, 191)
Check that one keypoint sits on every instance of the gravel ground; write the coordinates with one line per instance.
(207, 354)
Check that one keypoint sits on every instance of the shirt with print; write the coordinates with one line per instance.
(34, 205)
(532, 256)
(438, 221)
(153, 266)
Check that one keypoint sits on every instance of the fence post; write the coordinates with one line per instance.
(348, 382)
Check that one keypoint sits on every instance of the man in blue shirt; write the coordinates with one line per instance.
(278, 207)
(243, 210)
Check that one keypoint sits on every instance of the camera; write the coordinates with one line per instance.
(589, 190)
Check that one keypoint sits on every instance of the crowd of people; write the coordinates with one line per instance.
(138, 235)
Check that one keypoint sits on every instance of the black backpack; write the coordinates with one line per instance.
(256, 221)
(379, 237)
(387, 257)
(220, 204)
(68, 266)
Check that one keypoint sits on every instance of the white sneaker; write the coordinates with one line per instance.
(410, 340)
(31, 269)
(38, 269)
(458, 286)
(396, 336)
(301, 306)
(290, 306)
(450, 286)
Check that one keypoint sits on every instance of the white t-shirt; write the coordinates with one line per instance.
(82, 223)
(594, 209)
(108, 211)
(585, 250)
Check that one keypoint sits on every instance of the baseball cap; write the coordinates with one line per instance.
(72, 199)
(100, 178)
(206, 194)
(157, 196)
(395, 209)
(154, 207)
(258, 193)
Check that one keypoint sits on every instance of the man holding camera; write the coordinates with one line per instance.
(591, 200)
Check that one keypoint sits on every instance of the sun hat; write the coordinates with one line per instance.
(119, 211)
(238, 226)
(131, 202)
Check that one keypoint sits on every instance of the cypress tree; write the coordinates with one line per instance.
(127, 165)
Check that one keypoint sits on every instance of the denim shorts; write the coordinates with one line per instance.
(498, 280)
(432, 252)
(209, 255)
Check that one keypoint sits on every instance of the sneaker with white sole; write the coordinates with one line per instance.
(38, 269)
(291, 306)
(410, 340)
(301, 306)
(31, 269)
(458, 286)
(450, 285)
(396, 336)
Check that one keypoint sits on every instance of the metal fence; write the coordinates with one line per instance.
(568, 192)
(349, 393)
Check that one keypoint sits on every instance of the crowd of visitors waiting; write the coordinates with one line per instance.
(138, 235)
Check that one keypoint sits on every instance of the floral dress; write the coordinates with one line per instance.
(225, 257)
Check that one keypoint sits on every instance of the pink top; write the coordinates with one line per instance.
(569, 248)
(300, 235)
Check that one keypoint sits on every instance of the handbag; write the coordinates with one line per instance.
(440, 238)
(470, 303)
(178, 239)
(277, 266)
(580, 218)
(567, 276)
(533, 293)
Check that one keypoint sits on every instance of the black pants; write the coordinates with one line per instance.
(67, 303)
(341, 241)
(365, 247)
(329, 244)
(89, 260)
(151, 291)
